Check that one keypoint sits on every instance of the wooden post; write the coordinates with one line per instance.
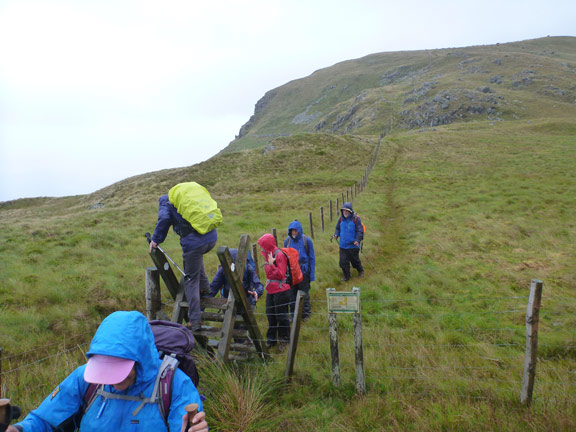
(236, 269)
(180, 303)
(333, 328)
(532, 319)
(322, 218)
(153, 297)
(343, 198)
(337, 210)
(331, 211)
(275, 236)
(0, 372)
(311, 226)
(237, 289)
(255, 257)
(347, 196)
(294, 334)
(359, 351)
(166, 271)
(333, 323)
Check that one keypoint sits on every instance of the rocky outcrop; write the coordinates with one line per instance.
(260, 106)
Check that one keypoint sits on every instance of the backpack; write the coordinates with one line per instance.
(293, 273)
(194, 203)
(174, 343)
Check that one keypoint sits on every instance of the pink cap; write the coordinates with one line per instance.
(102, 369)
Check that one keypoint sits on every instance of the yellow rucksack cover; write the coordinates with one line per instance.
(195, 204)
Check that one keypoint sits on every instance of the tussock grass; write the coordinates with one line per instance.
(459, 221)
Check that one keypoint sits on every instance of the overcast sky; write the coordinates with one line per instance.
(95, 91)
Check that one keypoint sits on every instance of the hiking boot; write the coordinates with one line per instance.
(345, 279)
(270, 344)
(361, 274)
(306, 318)
(282, 347)
(194, 327)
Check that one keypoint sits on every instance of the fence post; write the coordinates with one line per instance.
(275, 237)
(294, 335)
(0, 372)
(330, 205)
(311, 226)
(322, 218)
(333, 324)
(255, 258)
(532, 319)
(153, 296)
(337, 209)
(359, 350)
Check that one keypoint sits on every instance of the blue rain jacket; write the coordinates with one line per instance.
(306, 259)
(349, 229)
(126, 335)
(250, 282)
(190, 239)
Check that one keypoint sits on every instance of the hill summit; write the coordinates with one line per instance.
(420, 89)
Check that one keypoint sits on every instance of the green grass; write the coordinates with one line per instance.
(459, 220)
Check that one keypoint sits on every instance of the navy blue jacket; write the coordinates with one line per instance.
(349, 229)
(250, 282)
(305, 248)
(190, 239)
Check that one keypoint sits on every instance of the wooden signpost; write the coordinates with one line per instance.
(346, 302)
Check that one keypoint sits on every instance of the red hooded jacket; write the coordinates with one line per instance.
(276, 272)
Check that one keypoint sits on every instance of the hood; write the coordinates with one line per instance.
(267, 243)
(128, 335)
(346, 206)
(297, 226)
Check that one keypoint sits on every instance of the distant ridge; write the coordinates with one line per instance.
(420, 89)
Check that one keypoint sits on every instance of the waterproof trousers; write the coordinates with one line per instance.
(350, 257)
(278, 313)
(197, 282)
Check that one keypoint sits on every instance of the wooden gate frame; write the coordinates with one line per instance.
(236, 304)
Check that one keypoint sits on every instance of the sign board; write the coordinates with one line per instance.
(343, 302)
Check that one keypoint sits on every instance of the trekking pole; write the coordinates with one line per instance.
(8, 413)
(149, 238)
(369, 262)
(192, 410)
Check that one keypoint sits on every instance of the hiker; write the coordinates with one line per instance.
(124, 358)
(351, 232)
(194, 247)
(307, 260)
(277, 293)
(251, 282)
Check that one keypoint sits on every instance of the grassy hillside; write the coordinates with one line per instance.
(418, 89)
(460, 218)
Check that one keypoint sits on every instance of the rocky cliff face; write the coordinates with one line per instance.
(423, 89)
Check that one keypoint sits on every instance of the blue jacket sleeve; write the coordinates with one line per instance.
(217, 283)
(164, 220)
(337, 230)
(255, 284)
(183, 393)
(61, 404)
(311, 259)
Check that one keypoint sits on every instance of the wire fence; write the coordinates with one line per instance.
(508, 355)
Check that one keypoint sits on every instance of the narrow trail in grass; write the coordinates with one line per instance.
(390, 219)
